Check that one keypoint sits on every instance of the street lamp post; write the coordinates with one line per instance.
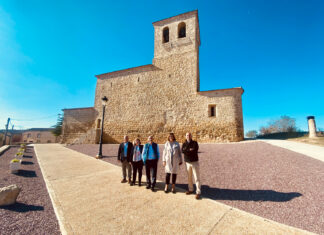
(104, 102)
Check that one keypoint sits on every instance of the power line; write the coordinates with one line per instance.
(34, 119)
(10, 123)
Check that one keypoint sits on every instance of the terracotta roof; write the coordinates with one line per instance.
(12, 131)
(39, 129)
(143, 68)
(78, 108)
(226, 89)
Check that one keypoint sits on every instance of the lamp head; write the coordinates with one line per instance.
(104, 100)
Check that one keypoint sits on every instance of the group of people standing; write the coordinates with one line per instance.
(134, 156)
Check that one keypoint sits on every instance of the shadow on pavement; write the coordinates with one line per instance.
(244, 195)
(26, 163)
(22, 207)
(27, 156)
(26, 173)
(109, 157)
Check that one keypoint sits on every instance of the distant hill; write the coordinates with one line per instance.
(283, 135)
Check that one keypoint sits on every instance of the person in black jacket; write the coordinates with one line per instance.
(190, 151)
(137, 162)
(125, 157)
(151, 157)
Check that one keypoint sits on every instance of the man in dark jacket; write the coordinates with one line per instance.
(125, 157)
(190, 151)
(151, 157)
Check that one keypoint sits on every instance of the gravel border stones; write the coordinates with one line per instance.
(33, 211)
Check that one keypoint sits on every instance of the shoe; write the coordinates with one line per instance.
(139, 184)
(153, 190)
(189, 192)
(123, 181)
(131, 184)
(148, 187)
(129, 181)
(197, 196)
(173, 189)
(166, 189)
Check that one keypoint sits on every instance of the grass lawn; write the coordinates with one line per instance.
(316, 141)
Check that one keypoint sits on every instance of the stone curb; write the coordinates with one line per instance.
(4, 148)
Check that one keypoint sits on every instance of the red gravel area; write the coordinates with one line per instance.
(33, 213)
(256, 177)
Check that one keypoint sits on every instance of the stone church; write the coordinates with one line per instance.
(161, 97)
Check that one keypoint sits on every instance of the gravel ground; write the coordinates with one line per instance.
(256, 177)
(33, 213)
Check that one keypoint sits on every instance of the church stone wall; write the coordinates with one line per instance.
(164, 99)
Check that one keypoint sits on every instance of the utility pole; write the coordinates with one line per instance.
(11, 134)
(5, 136)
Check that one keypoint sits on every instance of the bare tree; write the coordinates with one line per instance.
(251, 134)
(284, 124)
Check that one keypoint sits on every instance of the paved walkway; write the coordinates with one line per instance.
(310, 150)
(89, 199)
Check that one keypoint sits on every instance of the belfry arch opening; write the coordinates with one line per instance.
(182, 30)
(166, 34)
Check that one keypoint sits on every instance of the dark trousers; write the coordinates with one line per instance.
(151, 165)
(167, 178)
(137, 167)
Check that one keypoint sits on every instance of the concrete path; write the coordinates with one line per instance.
(88, 198)
(310, 150)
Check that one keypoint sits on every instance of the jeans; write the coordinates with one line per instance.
(137, 167)
(151, 165)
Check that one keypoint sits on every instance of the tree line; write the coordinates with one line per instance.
(285, 124)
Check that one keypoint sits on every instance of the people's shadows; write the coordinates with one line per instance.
(245, 195)
(27, 156)
(159, 186)
(26, 173)
(26, 163)
(22, 207)
(109, 156)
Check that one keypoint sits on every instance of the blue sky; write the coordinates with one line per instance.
(51, 50)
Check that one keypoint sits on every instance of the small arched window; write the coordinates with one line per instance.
(98, 123)
(165, 35)
(182, 30)
(212, 112)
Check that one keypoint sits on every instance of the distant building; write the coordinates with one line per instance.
(39, 135)
(33, 135)
(13, 136)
